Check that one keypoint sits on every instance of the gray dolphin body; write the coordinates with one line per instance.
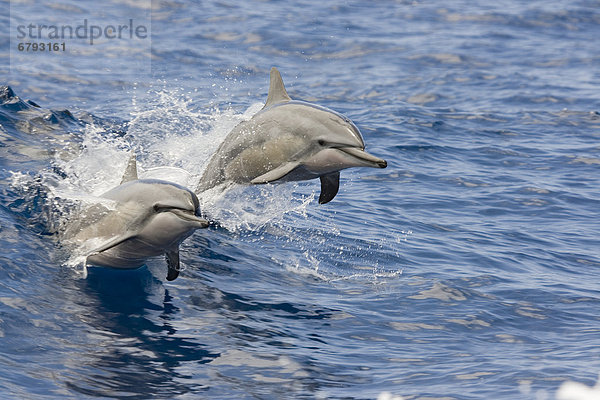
(289, 140)
(152, 217)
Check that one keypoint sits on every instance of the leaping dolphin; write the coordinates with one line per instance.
(151, 217)
(289, 140)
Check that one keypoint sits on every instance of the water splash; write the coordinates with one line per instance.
(92, 171)
(167, 131)
(173, 141)
(251, 208)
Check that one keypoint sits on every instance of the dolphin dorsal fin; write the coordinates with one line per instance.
(131, 170)
(277, 93)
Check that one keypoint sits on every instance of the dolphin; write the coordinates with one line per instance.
(151, 217)
(289, 140)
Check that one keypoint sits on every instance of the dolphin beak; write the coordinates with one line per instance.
(190, 217)
(365, 159)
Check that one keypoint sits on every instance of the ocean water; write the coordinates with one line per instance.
(468, 269)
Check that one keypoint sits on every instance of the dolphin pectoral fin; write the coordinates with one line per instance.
(114, 242)
(330, 184)
(173, 264)
(277, 92)
(131, 170)
(276, 173)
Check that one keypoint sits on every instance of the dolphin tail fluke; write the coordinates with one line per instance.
(330, 184)
(173, 264)
(277, 92)
(131, 170)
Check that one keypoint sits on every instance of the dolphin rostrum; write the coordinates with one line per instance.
(151, 217)
(289, 140)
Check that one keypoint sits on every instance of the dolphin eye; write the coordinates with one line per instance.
(321, 142)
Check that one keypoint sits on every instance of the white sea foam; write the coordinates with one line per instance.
(388, 396)
(578, 391)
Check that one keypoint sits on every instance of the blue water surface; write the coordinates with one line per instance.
(468, 269)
